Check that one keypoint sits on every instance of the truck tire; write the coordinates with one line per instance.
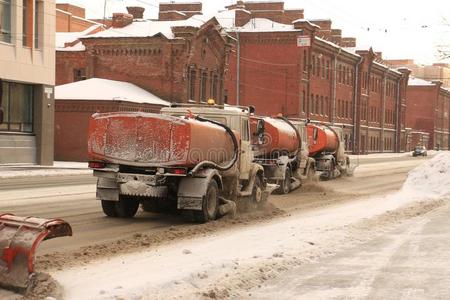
(126, 207)
(256, 198)
(285, 186)
(109, 208)
(210, 205)
(311, 173)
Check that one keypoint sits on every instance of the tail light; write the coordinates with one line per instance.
(177, 171)
(96, 165)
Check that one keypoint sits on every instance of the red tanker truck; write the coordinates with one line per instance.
(281, 148)
(195, 158)
(326, 146)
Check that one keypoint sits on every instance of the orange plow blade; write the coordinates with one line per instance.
(19, 239)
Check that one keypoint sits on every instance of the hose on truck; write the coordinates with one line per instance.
(211, 164)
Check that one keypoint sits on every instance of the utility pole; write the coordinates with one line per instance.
(104, 12)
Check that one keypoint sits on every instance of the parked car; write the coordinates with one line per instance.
(420, 151)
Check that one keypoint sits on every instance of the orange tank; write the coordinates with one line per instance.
(321, 139)
(279, 137)
(146, 139)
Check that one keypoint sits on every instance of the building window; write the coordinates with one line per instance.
(203, 80)
(304, 102)
(192, 79)
(328, 70)
(314, 65)
(17, 105)
(305, 61)
(317, 104)
(214, 87)
(5, 21)
(79, 74)
(37, 22)
(26, 23)
(322, 107)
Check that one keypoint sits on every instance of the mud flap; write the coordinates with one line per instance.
(19, 239)
(270, 188)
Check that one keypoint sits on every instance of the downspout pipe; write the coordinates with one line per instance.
(383, 109)
(238, 70)
(355, 106)
(335, 86)
(397, 119)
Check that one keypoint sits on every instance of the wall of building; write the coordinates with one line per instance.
(30, 61)
(69, 22)
(428, 110)
(72, 122)
(156, 64)
(321, 82)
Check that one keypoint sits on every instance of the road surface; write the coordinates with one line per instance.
(73, 199)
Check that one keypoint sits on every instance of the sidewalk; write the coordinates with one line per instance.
(29, 170)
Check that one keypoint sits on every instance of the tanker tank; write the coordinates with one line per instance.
(146, 139)
(321, 139)
(280, 138)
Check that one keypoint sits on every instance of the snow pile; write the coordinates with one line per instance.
(431, 179)
(108, 90)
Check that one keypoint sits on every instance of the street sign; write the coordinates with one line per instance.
(303, 41)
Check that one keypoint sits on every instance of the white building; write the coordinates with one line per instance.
(27, 76)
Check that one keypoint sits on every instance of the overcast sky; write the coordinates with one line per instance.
(398, 28)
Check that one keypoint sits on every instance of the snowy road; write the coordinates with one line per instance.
(97, 237)
(408, 262)
(262, 260)
(73, 199)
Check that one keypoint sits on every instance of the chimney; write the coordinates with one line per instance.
(136, 11)
(121, 20)
(349, 42)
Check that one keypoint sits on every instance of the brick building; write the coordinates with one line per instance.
(283, 63)
(179, 59)
(428, 111)
(436, 71)
(76, 102)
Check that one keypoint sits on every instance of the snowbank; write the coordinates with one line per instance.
(429, 180)
(60, 168)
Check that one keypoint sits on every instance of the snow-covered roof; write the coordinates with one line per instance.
(108, 90)
(265, 25)
(61, 38)
(335, 45)
(149, 28)
(419, 82)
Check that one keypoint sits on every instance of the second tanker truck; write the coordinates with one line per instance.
(327, 147)
(281, 148)
(293, 150)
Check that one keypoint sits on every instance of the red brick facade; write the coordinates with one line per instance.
(187, 67)
(323, 82)
(71, 18)
(428, 110)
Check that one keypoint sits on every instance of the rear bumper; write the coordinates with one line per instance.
(111, 184)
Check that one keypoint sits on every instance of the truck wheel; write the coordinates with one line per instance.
(311, 173)
(210, 205)
(126, 207)
(109, 208)
(285, 186)
(257, 194)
